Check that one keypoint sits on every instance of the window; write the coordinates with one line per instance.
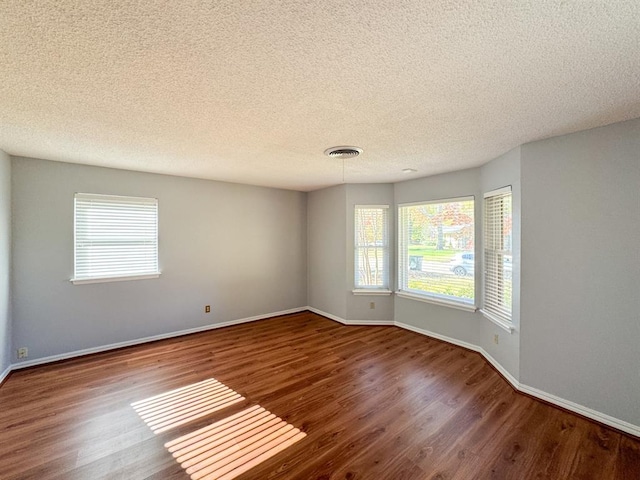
(436, 251)
(371, 247)
(497, 255)
(116, 238)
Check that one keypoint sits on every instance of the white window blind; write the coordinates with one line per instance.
(115, 237)
(371, 246)
(436, 250)
(497, 254)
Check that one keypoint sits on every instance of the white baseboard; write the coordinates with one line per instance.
(534, 392)
(153, 338)
(6, 373)
(503, 371)
(437, 336)
(582, 410)
(351, 322)
(328, 315)
(510, 378)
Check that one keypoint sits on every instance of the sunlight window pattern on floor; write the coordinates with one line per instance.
(183, 405)
(230, 447)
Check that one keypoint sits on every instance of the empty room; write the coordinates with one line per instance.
(319, 240)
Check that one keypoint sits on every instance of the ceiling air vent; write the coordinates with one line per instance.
(343, 152)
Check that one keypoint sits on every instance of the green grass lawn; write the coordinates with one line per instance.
(460, 287)
(463, 288)
(431, 254)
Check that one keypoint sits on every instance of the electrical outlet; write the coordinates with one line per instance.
(496, 339)
(207, 309)
(372, 305)
(23, 352)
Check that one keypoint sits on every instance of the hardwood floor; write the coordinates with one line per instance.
(374, 402)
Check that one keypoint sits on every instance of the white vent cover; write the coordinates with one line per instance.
(343, 152)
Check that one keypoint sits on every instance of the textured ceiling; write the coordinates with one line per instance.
(255, 91)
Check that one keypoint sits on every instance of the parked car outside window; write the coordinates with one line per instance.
(464, 264)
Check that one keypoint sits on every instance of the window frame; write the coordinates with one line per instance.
(403, 263)
(154, 272)
(495, 315)
(383, 289)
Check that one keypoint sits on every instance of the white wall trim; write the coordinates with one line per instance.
(507, 326)
(503, 371)
(534, 392)
(371, 291)
(153, 338)
(328, 315)
(371, 323)
(6, 373)
(582, 410)
(341, 320)
(437, 336)
(510, 378)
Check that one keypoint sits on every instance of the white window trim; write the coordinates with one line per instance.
(466, 198)
(374, 290)
(82, 281)
(425, 297)
(113, 278)
(498, 191)
(371, 291)
(508, 326)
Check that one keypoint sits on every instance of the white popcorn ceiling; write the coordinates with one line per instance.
(254, 91)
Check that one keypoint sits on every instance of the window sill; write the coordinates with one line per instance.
(81, 281)
(372, 291)
(508, 326)
(436, 301)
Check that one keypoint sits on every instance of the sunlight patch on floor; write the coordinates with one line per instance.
(177, 407)
(230, 447)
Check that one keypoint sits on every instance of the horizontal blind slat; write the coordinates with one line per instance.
(497, 255)
(115, 236)
(371, 255)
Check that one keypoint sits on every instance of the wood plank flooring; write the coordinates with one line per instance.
(375, 403)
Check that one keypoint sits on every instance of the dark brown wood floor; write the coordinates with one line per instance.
(375, 402)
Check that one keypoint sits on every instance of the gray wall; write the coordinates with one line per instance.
(469, 327)
(576, 204)
(327, 250)
(358, 306)
(5, 262)
(438, 319)
(580, 312)
(220, 244)
(330, 217)
(503, 171)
